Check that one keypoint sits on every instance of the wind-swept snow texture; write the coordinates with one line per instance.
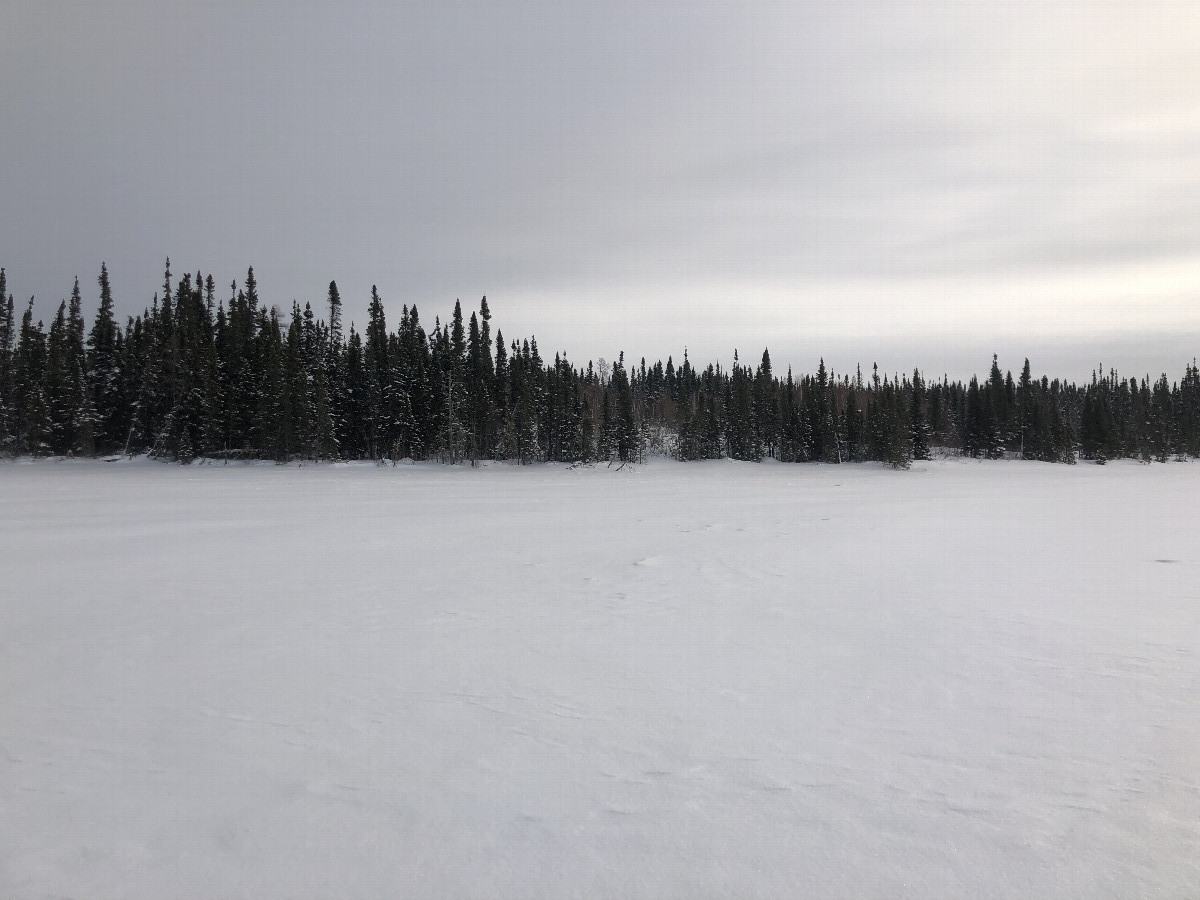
(677, 680)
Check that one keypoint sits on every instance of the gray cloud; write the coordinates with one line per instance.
(628, 174)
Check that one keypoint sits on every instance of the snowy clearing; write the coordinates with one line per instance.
(678, 680)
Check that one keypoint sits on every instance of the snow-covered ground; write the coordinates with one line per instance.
(677, 680)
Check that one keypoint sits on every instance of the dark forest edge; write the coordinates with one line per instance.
(194, 376)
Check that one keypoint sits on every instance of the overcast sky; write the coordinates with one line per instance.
(914, 183)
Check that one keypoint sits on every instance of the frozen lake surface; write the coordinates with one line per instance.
(677, 680)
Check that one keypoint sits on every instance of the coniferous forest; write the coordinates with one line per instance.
(227, 377)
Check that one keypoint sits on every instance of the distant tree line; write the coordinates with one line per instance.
(200, 376)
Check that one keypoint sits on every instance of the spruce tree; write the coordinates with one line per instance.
(973, 438)
(918, 425)
(84, 419)
(741, 429)
(274, 407)
(825, 438)
(1161, 421)
(7, 338)
(144, 366)
(853, 426)
(61, 399)
(766, 408)
(299, 439)
(103, 372)
(31, 413)
(334, 372)
(378, 372)
(587, 450)
(1028, 412)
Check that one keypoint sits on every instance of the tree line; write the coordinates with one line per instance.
(195, 375)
